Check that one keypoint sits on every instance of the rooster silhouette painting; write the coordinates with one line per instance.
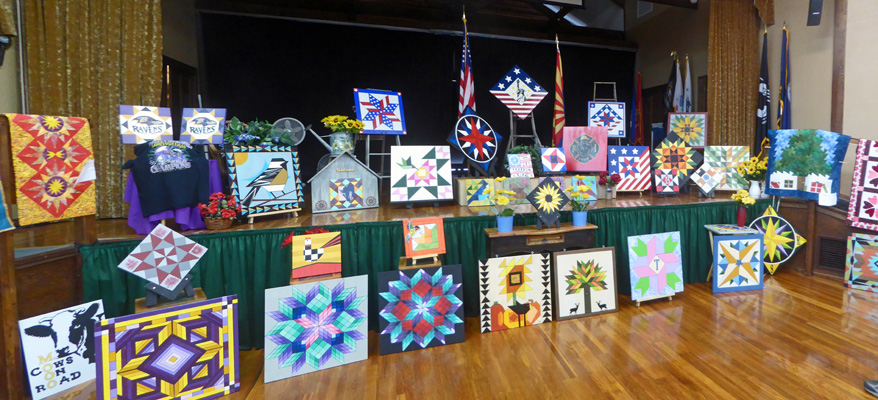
(316, 254)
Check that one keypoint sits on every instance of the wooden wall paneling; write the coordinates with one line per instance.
(12, 385)
(48, 281)
(796, 213)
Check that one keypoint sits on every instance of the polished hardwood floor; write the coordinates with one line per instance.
(799, 338)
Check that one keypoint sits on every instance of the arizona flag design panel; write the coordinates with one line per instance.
(608, 114)
(316, 254)
(519, 92)
(380, 111)
(48, 155)
(632, 164)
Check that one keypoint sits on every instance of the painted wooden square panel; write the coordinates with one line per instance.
(420, 173)
(518, 91)
(139, 124)
(861, 264)
(780, 238)
(315, 326)
(164, 257)
(345, 193)
(424, 236)
(707, 178)
(381, 111)
(316, 254)
(59, 349)
(5, 219)
(548, 199)
(554, 159)
(479, 192)
(632, 165)
(585, 148)
(591, 183)
(585, 283)
(691, 128)
(515, 292)
(265, 179)
(203, 125)
(666, 181)
(475, 138)
(49, 155)
(520, 186)
(863, 208)
(677, 156)
(725, 160)
(420, 308)
(520, 165)
(610, 115)
(810, 159)
(656, 262)
(737, 263)
(183, 352)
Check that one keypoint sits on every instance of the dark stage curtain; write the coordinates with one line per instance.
(248, 262)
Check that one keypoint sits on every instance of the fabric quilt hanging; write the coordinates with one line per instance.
(863, 208)
(805, 162)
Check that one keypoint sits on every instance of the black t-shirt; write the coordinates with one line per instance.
(169, 175)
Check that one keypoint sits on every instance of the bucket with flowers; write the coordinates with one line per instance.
(578, 196)
(610, 181)
(754, 170)
(503, 211)
(220, 212)
(344, 130)
(743, 198)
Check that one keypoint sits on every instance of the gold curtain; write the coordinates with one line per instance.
(733, 72)
(85, 58)
(7, 18)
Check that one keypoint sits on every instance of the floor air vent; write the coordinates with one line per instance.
(832, 253)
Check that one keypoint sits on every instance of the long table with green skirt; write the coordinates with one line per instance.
(246, 263)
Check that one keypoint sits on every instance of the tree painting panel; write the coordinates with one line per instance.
(656, 262)
(515, 292)
(737, 263)
(805, 162)
(585, 283)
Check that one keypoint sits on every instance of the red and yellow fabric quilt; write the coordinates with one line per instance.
(48, 154)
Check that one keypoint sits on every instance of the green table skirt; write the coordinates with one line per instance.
(246, 263)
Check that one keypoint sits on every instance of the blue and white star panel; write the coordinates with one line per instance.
(609, 114)
(519, 92)
(553, 159)
(632, 164)
(476, 139)
(203, 125)
(380, 111)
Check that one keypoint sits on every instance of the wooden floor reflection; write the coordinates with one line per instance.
(802, 338)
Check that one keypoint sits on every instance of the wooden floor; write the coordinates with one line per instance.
(799, 338)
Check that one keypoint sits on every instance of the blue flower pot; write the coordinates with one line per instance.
(580, 218)
(504, 224)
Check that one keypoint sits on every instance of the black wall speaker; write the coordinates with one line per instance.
(815, 10)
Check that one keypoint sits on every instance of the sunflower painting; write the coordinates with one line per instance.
(548, 199)
(691, 128)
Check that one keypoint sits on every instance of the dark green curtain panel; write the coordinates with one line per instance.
(246, 263)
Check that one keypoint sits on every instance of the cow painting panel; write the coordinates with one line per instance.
(59, 348)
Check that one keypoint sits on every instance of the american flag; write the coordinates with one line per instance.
(632, 164)
(467, 86)
(519, 92)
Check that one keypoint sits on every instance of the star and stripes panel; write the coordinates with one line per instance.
(163, 257)
(632, 164)
(381, 111)
(519, 92)
(520, 165)
(608, 114)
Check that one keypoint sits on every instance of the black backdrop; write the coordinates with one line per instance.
(270, 68)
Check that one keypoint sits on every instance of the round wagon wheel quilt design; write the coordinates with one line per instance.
(781, 239)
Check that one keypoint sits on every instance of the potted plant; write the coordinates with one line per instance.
(221, 211)
(344, 132)
(610, 181)
(743, 198)
(503, 211)
(254, 133)
(754, 171)
(578, 196)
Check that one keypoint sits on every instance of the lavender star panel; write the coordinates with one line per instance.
(863, 208)
(164, 257)
(315, 326)
(380, 111)
(184, 352)
(420, 308)
(656, 262)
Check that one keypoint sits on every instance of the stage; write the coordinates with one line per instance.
(247, 259)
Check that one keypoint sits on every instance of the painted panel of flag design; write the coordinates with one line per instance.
(518, 91)
(632, 164)
(381, 111)
(608, 114)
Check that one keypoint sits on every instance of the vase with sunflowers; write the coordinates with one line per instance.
(742, 197)
(344, 132)
(503, 211)
(754, 170)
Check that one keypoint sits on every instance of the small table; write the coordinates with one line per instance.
(406, 263)
(140, 304)
(724, 229)
(529, 239)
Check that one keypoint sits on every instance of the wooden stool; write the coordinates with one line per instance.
(405, 263)
(140, 304)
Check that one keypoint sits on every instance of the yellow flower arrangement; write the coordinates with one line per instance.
(341, 123)
(503, 198)
(581, 196)
(753, 169)
(743, 198)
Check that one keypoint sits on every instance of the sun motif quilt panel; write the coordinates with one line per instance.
(420, 308)
(737, 263)
(863, 208)
(610, 115)
(315, 326)
(203, 125)
(677, 156)
(805, 162)
(585, 148)
(345, 194)
(691, 128)
(861, 265)
(164, 257)
(548, 199)
(632, 165)
(420, 173)
(656, 262)
(184, 352)
(49, 154)
(725, 160)
(515, 292)
(139, 124)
